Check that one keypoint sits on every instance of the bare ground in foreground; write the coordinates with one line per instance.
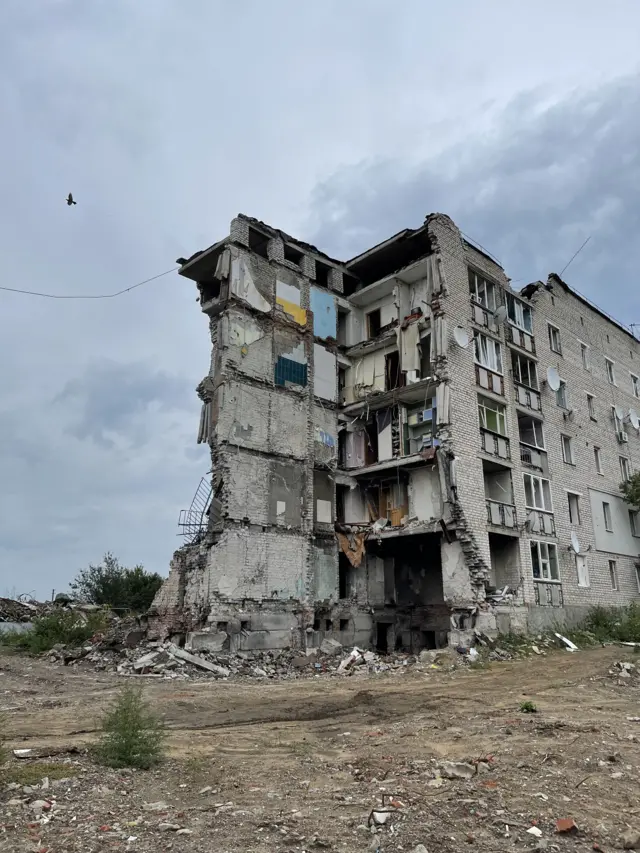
(299, 765)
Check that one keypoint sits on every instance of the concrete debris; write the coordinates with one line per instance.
(534, 830)
(565, 825)
(195, 660)
(631, 840)
(625, 671)
(330, 647)
(571, 647)
(457, 770)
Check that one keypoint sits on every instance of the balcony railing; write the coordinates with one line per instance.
(483, 317)
(489, 380)
(520, 338)
(541, 521)
(501, 515)
(495, 445)
(528, 398)
(548, 594)
(533, 458)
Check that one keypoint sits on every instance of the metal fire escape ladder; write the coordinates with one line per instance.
(193, 522)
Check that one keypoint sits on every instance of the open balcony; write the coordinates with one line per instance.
(541, 521)
(520, 338)
(528, 397)
(498, 492)
(489, 380)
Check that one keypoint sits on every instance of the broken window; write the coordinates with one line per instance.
(554, 338)
(567, 450)
(293, 255)
(394, 377)
(531, 431)
(598, 459)
(544, 559)
(584, 354)
(482, 291)
(373, 324)
(591, 406)
(488, 353)
(613, 574)
(635, 385)
(611, 374)
(520, 314)
(492, 415)
(343, 574)
(258, 243)
(625, 469)
(323, 274)
(524, 371)
(562, 399)
(371, 443)
(574, 508)
(537, 493)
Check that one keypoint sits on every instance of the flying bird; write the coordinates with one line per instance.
(70, 200)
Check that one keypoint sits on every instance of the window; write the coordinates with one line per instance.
(606, 514)
(531, 431)
(293, 255)
(562, 398)
(634, 522)
(625, 469)
(611, 374)
(635, 385)
(492, 415)
(519, 314)
(613, 574)
(524, 371)
(554, 338)
(488, 353)
(591, 406)
(373, 324)
(574, 508)
(598, 459)
(584, 352)
(482, 291)
(582, 570)
(544, 559)
(638, 576)
(537, 493)
(567, 450)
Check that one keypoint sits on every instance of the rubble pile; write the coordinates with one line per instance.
(17, 611)
(626, 673)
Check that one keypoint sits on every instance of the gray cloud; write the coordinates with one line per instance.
(118, 401)
(545, 179)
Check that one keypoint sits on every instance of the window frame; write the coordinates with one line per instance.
(610, 370)
(543, 494)
(619, 425)
(482, 408)
(516, 358)
(474, 292)
(626, 470)
(540, 424)
(565, 396)
(497, 353)
(591, 409)
(635, 385)
(576, 497)
(519, 308)
(634, 523)
(613, 575)
(539, 545)
(554, 330)
(567, 440)
(584, 354)
(607, 517)
(597, 455)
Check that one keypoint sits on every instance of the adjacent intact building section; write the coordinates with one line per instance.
(403, 448)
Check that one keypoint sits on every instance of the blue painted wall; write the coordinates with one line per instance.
(324, 313)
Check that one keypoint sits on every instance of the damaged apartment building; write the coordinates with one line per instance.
(404, 448)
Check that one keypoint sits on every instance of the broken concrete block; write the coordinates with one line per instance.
(181, 654)
(330, 647)
(631, 840)
(205, 641)
(457, 770)
(147, 660)
(134, 638)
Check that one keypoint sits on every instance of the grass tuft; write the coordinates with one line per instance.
(65, 627)
(528, 707)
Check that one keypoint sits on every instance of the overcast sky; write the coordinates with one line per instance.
(339, 122)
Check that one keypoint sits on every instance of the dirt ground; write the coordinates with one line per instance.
(300, 765)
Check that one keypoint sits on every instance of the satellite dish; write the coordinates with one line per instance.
(461, 336)
(553, 378)
(620, 413)
(634, 418)
(500, 314)
(575, 542)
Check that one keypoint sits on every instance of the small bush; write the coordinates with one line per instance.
(132, 735)
(528, 708)
(614, 624)
(66, 627)
(123, 589)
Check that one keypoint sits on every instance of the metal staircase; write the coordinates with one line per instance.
(193, 521)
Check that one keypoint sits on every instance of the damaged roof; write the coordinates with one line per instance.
(392, 255)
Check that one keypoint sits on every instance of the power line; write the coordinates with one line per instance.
(86, 296)
(575, 255)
